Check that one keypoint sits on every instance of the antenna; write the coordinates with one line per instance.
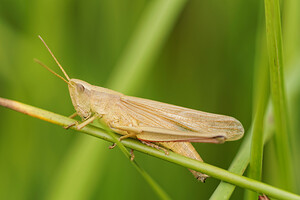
(50, 70)
(62, 69)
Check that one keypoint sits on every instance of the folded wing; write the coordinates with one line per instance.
(161, 115)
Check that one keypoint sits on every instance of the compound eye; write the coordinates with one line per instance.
(80, 88)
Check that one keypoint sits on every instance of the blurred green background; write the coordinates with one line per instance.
(203, 60)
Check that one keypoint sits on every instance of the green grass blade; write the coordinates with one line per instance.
(261, 97)
(213, 171)
(282, 136)
(256, 156)
(242, 158)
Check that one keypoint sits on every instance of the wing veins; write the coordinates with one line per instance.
(163, 115)
(150, 113)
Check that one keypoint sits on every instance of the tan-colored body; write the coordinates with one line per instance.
(172, 127)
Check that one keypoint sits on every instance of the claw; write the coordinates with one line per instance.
(202, 178)
(112, 146)
(70, 125)
(132, 155)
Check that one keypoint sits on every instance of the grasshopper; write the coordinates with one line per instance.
(154, 123)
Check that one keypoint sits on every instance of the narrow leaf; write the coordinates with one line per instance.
(282, 136)
(212, 171)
